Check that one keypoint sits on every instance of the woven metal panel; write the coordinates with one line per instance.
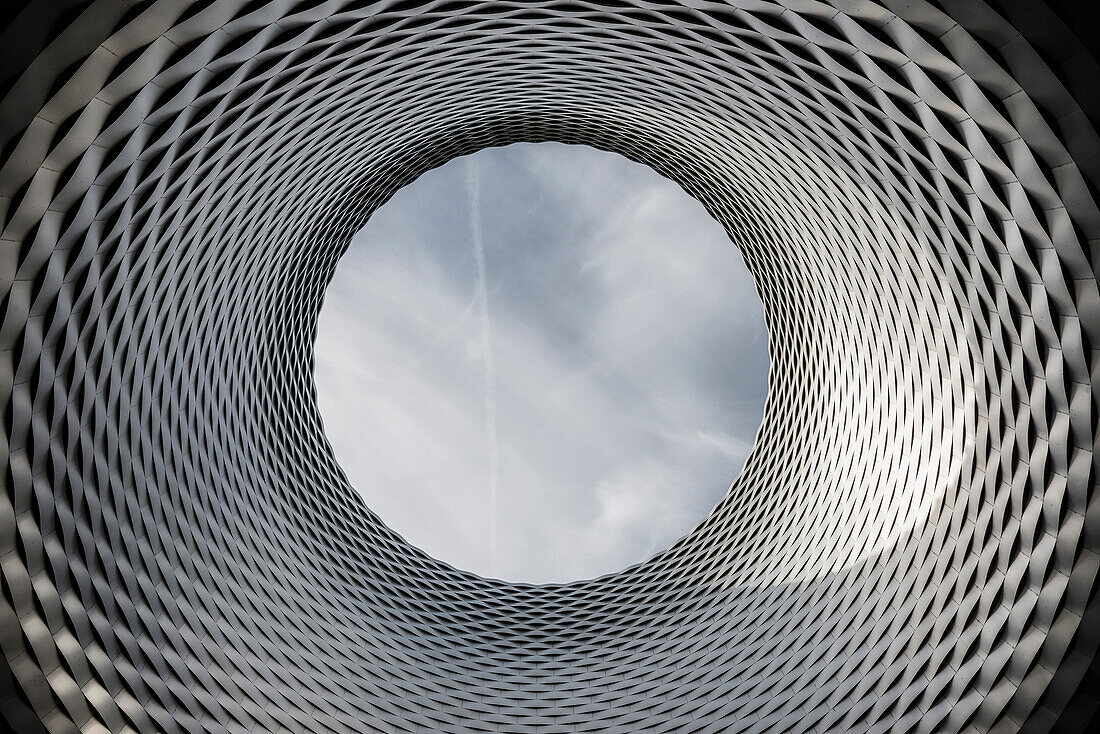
(912, 545)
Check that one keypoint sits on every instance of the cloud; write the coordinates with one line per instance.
(619, 386)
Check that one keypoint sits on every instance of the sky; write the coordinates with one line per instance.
(541, 362)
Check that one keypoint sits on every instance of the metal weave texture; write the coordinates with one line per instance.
(911, 547)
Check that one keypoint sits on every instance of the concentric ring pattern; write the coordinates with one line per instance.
(912, 545)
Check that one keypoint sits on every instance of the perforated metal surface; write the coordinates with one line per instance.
(912, 545)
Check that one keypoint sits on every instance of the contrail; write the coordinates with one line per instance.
(474, 187)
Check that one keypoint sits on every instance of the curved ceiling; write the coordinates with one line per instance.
(912, 545)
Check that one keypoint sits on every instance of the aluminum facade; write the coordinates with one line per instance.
(912, 545)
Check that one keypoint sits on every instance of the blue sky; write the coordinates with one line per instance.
(541, 362)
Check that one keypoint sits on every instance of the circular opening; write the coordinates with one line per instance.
(541, 362)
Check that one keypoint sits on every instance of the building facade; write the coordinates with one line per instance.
(912, 545)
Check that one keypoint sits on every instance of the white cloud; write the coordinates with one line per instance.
(626, 396)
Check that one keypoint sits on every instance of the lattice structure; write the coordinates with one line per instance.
(912, 546)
